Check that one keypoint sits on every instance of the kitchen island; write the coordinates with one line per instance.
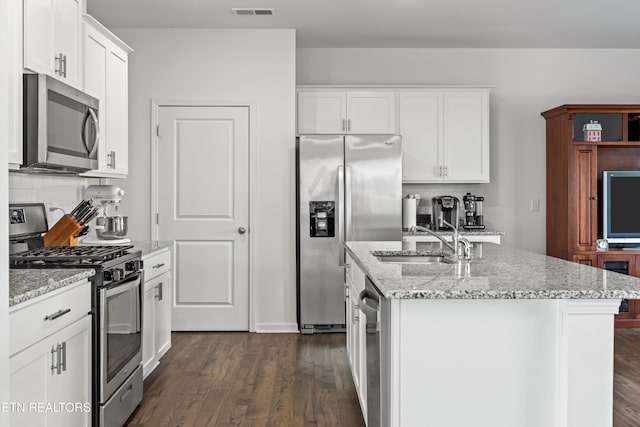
(510, 338)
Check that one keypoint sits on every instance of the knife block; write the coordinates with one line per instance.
(64, 232)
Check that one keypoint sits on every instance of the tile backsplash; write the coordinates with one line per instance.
(54, 191)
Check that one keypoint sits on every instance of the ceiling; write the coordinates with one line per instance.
(401, 23)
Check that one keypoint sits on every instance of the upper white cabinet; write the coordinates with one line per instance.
(334, 111)
(445, 135)
(52, 39)
(105, 59)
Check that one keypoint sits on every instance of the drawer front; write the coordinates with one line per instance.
(156, 264)
(47, 314)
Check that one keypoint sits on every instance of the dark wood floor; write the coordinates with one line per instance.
(626, 382)
(240, 379)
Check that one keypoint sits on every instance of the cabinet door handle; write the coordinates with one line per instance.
(58, 64)
(356, 313)
(64, 65)
(54, 351)
(159, 265)
(440, 173)
(112, 159)
(57, 314)
(446, 171)
(348, 125)
(63, 360)
(159, 289)
(59, 355)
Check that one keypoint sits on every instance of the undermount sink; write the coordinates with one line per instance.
(413, 259)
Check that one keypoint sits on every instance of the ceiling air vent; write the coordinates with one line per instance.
(240, 11)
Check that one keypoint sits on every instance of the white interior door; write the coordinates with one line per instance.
(203, 204)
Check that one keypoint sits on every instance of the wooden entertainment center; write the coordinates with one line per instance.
(574, 186)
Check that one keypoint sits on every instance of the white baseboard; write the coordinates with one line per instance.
(277, 328)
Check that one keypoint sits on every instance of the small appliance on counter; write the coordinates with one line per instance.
(409, 211)
(444, 208)
(473, 217)
(109, 230)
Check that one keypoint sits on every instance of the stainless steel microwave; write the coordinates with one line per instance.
(61, 126)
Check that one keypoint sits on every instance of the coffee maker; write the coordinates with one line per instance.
(444, 208)
(473, 217)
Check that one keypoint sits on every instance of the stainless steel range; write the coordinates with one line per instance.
(116, 309)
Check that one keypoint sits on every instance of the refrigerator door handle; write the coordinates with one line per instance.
(340, 216)
(347, 201)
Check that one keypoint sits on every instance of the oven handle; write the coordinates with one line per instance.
(124, 286)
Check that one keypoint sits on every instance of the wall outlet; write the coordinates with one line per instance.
(535, 205)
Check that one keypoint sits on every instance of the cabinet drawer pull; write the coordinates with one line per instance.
(159, 265)
(57, 314)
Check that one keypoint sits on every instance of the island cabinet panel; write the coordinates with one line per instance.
(500, 363)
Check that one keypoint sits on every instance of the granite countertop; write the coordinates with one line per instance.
(29, 283)
(150, 246)
(462, 232)
(496, 272)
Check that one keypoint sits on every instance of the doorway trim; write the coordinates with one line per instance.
(253, 168)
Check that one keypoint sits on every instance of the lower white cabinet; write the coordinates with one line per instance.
(50, 379)
(356, 331)
(156, 310)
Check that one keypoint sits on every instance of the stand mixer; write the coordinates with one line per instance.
(107, 230)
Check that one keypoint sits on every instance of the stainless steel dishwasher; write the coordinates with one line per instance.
(376, 309)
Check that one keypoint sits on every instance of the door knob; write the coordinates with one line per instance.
(242, 230)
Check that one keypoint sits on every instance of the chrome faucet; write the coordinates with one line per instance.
(457, 241)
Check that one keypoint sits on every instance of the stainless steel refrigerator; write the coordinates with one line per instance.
(349, 188)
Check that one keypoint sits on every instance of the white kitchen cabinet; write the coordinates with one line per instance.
(105, 59)
(14, 98)
(335, 111)
(356, 331)
(445, 135)
(50, 363)
(156, 308)
(52, 39)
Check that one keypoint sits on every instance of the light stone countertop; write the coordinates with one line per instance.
(462, 232)
(29, 283)
(496, 272)
(150, 246)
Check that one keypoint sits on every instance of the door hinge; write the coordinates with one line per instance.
(157, 218)
(158, 130)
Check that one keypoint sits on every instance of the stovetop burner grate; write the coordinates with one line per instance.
(71, 254)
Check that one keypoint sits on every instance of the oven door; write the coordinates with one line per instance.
(120, 333)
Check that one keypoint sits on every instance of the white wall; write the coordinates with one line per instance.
(526, 82)
(63, 192)
(210, 65)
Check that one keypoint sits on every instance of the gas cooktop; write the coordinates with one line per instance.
(69, 255)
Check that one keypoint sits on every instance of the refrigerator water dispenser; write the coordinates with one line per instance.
(321, 218)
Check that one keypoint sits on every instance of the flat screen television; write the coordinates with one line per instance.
(621, 206)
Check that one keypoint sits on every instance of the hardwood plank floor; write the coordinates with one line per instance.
(241, 379)
(626, 381)
(291, 380)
